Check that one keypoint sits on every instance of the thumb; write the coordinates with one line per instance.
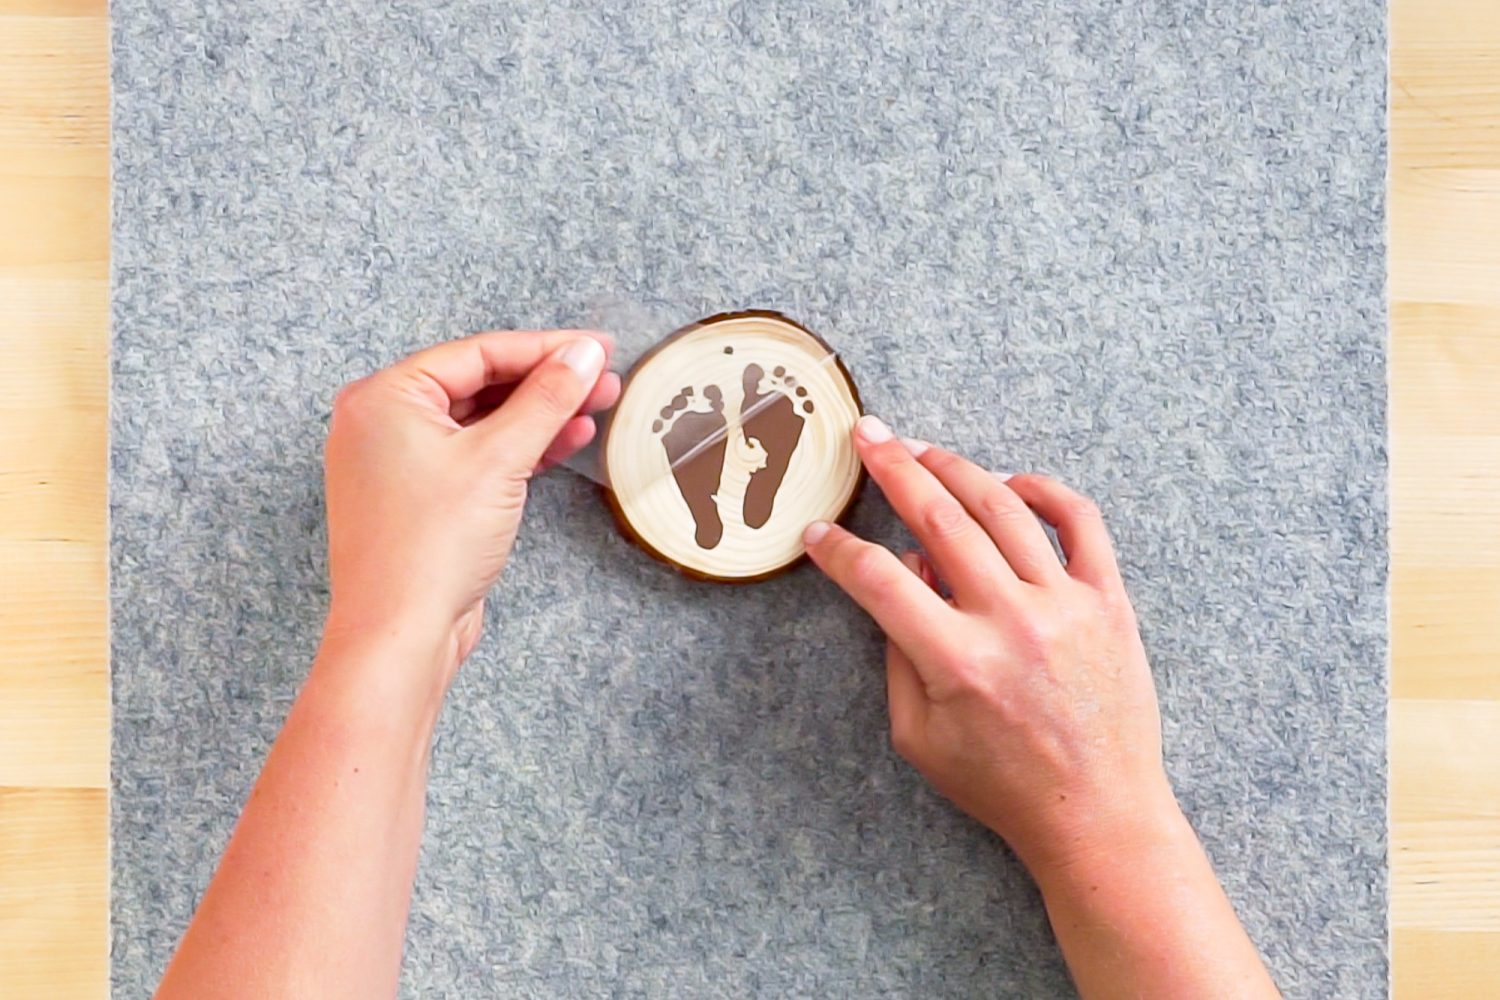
(906, 695)
(523, 427)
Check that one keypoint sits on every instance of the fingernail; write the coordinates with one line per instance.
(586, 357)
(873, 430)
(1003, 476)
(814, 533)
(917, 448)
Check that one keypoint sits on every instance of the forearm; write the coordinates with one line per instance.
(1148, 918)
(311, 896)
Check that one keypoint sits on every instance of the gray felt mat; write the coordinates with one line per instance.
(1136, 245)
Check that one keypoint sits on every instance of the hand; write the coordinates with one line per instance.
(1025, 697)
(427, 468)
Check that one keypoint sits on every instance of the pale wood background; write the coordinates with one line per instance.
(54, 684)
(1445, 449)
(1445, 437)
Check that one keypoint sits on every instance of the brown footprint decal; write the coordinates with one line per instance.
(772, 419)
(695, 443)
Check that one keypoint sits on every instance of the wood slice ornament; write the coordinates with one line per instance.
(730, 437)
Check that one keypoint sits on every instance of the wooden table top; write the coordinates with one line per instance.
(1445, 447)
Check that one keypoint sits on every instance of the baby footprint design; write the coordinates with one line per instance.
(694, 441)
(773, 419)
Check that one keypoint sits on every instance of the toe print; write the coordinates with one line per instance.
(771, 418)
(694, 441)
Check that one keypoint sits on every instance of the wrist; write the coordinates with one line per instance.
(364, 700)
(401, 664)
(1139, 840)
(425, 633)
(1093, 832)
(1147, 909)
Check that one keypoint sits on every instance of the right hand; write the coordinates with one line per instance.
(1026, 697)
(428, 464)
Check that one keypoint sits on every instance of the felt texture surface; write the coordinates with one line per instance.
(1138, 246)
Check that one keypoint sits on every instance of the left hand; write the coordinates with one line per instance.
(427, 465)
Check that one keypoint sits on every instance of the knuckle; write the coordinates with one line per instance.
(1082, 508)
(968, 676)
(1002, 505)
(351, 397)
(868, 570)
(1116, 606)
(943, 518)
(972, 662)
(974, 673)
(941, 462)
(1029, 484)
(1035, 637)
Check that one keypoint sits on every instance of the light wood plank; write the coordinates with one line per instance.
(1445, 86)
(1445, 847)
(1447, 362)
(1416, 25)
(50, 342)
(1445, 152)
(54, 8)
(55, 227)
(1443, 631)
(1434, 964)
(1445, 220)
(51, 101)
(53, 902)
(1447, 493)
(50, 486)
(1445, 105)
(54, 715)
(1442, 761)
(1448, 874)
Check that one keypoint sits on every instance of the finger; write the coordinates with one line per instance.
(529, 421)
(1003, 515)
(479, 405)
(606, 393)
(1080, 528)
(906, 699)
(901, 604)
(966, 557)
(459, 369)
(930, 577)
(467, 411)
(915, 562)
(905, 694)
(576, 433)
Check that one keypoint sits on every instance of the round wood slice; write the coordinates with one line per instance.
(730, 437)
